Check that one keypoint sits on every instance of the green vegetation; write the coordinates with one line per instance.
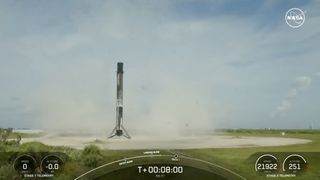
(91, 156)
(7, 136)
(267, 132)
(78, 161)
(236, 159)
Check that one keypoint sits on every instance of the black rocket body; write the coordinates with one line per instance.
(119, 107)
(119, 130)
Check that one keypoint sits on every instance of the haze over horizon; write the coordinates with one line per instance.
(198, 64)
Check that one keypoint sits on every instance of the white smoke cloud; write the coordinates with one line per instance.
(300, 83)
(178, 109)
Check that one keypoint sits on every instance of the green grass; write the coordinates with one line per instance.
(236, 159)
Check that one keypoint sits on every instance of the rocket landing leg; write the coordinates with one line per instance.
(113, 133)
(125, 134)
(119, 132)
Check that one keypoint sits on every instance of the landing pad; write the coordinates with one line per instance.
(185, 142)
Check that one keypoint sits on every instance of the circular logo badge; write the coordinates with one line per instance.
(295, 17)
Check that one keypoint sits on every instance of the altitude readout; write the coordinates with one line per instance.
(294, 163)
(160, 169)
(51, 164)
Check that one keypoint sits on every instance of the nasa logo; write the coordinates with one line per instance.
(295, 17)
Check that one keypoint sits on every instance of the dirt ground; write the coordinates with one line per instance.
(185, 142)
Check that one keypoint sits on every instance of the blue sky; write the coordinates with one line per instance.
(187, 63)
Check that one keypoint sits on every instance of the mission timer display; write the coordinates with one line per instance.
(160, 169)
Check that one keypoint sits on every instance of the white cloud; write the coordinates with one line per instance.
(300, 84)
(284, 106)
(303, 82)
(292, 93)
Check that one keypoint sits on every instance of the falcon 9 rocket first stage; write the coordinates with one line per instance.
(119, 130)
